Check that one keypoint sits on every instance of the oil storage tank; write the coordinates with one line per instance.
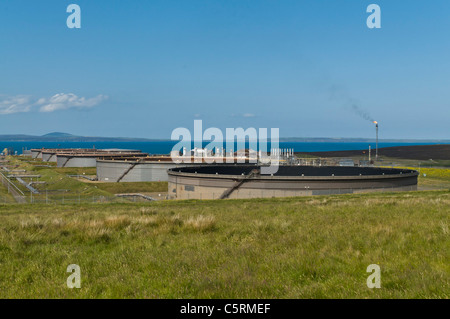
(147, 169)
(89, 159)
(245, 181)
(50, 155)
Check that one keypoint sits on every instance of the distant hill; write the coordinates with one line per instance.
(57, 134)
(417, 152)
(357, 140)
(66, 137)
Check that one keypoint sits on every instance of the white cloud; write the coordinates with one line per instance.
(14, 104)
(62, 101)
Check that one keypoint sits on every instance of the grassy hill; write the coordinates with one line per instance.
(440, 152)
(309, 247)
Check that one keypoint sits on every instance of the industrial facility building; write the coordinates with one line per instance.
(245, 181)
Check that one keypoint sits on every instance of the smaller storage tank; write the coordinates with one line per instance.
(147, 169)
(90, 159)
(129, 169)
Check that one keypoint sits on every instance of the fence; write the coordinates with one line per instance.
(68, 199)
(6, 200)
(18, 195)
(75, 199)
(46, 198)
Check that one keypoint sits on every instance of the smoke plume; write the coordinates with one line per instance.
(361, 113)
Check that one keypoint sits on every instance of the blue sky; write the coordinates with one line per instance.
(144, 68)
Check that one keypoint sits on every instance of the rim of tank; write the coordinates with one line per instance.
(292, 172)
(105, 152)
(53, 150)
(151, 159)
(130, 158)
(101, 154)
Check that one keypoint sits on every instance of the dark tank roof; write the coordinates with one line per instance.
(293, 170)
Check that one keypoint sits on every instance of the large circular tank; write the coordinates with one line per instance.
(89, 159)
(150, 169)
(86, 156)
(147, 169)
(49, 154)
(245, 181)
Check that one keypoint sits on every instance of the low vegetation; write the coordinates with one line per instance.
(89, 171)
(5, 197)
(58, 182)
(438, 173)
(305, 247)
(432, 178)
(133, 187)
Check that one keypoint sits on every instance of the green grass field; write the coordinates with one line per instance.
(57, 179)
(133, 187)
(59, 184)
(307, 247)
(432, 178)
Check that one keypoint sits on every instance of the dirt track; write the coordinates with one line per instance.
(419, 152)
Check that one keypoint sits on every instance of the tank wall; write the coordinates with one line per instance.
(49, 157)
(36, 154)
(110, 172)
(64, 161)
(144, 172)
(179, 191)
(182, 187)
